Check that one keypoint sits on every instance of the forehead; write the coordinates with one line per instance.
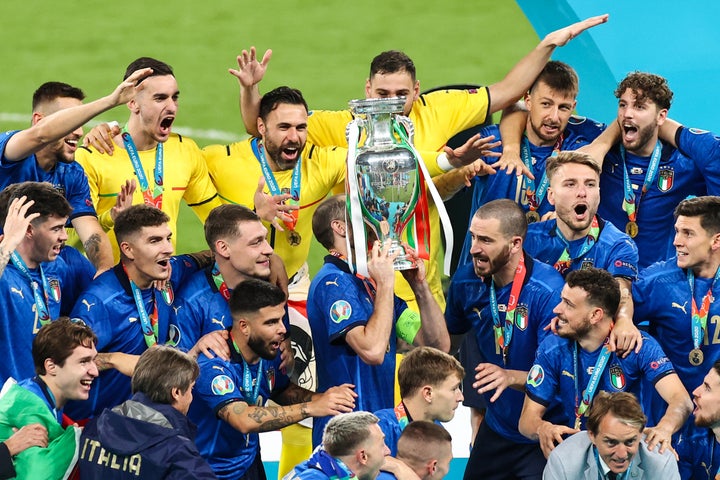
(162, 230)
(543, 90)
(250, 230)
(485, 226)
(288, 113)
(574, 171)
(712, 378)
(610, 426)
(630, 96)
(267, 313)
(81, 351)
(576, 294)
(59, 103)
(401, 80)
(159, 84)
(689, 223)
(50, 221)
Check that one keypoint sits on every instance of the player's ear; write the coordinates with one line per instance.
(127, 250)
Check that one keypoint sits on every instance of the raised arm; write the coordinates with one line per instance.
(533, 426)
(95, 242)
(16, 224)
(249, 73)
(518, 80)
(54, 127)
(370, 341)
(679, 408)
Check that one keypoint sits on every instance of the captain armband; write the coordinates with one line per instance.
(408, 325)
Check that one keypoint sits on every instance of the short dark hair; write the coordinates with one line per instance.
(560, 77)
(252, 294)
(623, 406)
(392, 61)
(162, 368)
(426, 366)
(346, 432)
(512, 219)
(159, 68)
(707, 208)
(419, 442)
(224, 221)
(134, 218)
(716, 366)
(602, 289)
(330, 209)
(646, 86)
(48, 200)
(280, 95)
(565, 157)
(49, 91)
(58, 339)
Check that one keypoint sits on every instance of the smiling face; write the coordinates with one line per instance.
(154, 109)
(574, 313)
(396, 84)
(616, 442)
(707, 401)
(147, 254)
(249, 252)
(73, 379)
(548, 114)
(575, 193)
(62, 150)
(47, 237)
(266, 331)
(284, 133)
(639, 123)
(694, 245)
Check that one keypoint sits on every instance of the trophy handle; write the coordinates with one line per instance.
(408, 126)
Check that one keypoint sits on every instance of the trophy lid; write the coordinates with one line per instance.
(377, 105)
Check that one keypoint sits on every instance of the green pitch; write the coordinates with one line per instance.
(323, 48)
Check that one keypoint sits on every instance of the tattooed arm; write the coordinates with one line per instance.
(15, 227)
(300, 404)
(95, 241)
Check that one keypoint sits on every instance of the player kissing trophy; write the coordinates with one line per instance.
(387, 183)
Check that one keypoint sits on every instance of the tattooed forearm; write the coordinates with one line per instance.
(4, 259)
(294, 394)
(92, 248)
(248, 418)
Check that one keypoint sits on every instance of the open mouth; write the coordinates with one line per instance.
(580, 210)
(165, 125)
(630, 131)
(290, 153)
(86, 383)
(71, 142)
(163, 263)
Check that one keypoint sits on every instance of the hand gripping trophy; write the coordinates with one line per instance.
(387, 183)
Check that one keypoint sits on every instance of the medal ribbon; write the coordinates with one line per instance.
(220, 282)
(536, 197)
(40, 297)
(250, 392)
(630, 204)
(272, 184)
(563, 263)
(503, 333)
(154, 197)
(148, 323)
(401, 415)
(593, 383)
(368, 282)
(700, 316)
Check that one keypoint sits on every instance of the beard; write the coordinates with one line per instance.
(261, 348)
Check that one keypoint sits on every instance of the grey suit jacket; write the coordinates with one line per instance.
(574, 459)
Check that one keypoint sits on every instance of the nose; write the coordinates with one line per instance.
(696, 392)
(475, 247)
(78, 131)
(676, 240)
(93, 369)
(554, 114)
(63, 234)
(292, 135)
(460, 396)
(267, 249)
(557, 309)
(168, 247)
(281, 328)
(386, 450)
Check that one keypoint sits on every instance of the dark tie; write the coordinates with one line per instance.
(612, 476)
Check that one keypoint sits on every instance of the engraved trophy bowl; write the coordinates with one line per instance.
(387, 173)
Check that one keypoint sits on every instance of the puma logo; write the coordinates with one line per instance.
(19, 292)
(132, 319)
(219, 322)
(681, 307)
(87, 304)
(334, 282)
(175, 309)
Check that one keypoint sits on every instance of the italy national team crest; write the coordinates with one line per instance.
(222, 385)
(521, 317)
(536, 375)
(665, 179)
(167, 293)
(54, 290)
(340, 310)
(617, 377)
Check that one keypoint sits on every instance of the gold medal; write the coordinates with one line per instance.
(294, 238)
(696, 357)
(632, 229)
(532, 216)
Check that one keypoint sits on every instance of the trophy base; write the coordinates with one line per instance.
(402, 262)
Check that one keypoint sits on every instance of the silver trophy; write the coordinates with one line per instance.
(385, 170)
